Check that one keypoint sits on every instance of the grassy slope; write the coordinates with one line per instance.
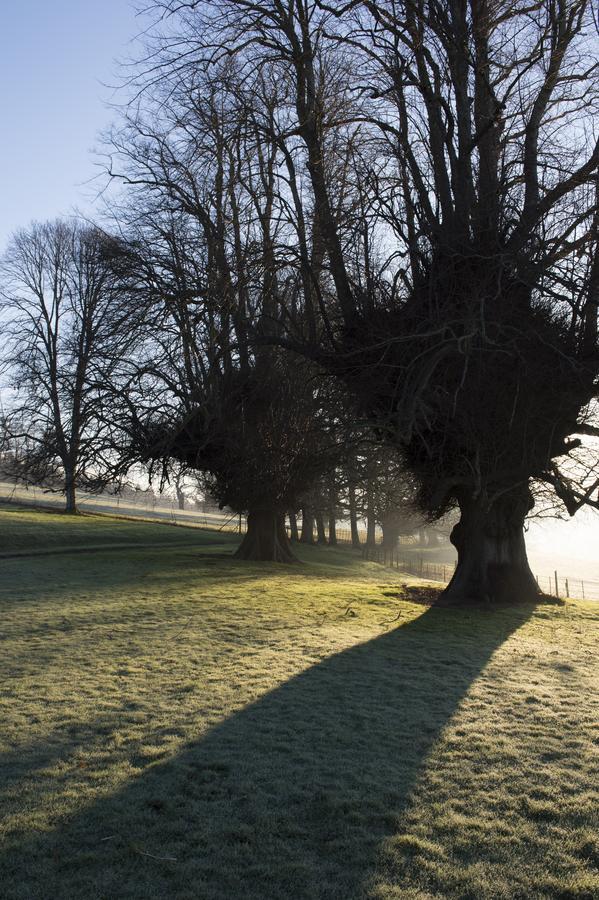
(176, 724)
(23, 530)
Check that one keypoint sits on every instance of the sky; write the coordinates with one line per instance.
(57, 66)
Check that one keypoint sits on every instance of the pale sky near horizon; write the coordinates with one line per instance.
(57, 63)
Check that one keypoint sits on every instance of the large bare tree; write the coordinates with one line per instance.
(66, 333)
(466, 321)
(208, 232)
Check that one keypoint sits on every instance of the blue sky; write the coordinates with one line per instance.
(56, 56)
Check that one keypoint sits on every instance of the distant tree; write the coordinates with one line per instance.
(65, 336)
(392, 495)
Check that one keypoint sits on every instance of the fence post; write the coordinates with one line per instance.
(567, 589)
(556, 586)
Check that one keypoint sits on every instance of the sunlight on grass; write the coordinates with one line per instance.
(179, 724)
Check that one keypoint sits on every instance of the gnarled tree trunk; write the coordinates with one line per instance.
(492, 562)
(266, 538)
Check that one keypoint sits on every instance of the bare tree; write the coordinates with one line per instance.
(65, 337)
(214, 391)
(472, 343)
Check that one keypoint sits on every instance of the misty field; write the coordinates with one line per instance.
(177, 724)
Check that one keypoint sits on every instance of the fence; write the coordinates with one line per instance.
(142, 505)
(343, 535)
(555, 585)
(409, 564)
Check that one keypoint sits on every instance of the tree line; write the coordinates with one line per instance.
(349, 236)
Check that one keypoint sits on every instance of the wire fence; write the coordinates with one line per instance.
(136, 505)
(554, 584)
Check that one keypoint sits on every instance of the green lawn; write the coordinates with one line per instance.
(176, 724)
(23, 531)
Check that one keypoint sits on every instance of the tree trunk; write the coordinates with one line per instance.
(332, 528)
(293, 525)
(492, 562)
(370, 519)
(332, 513)
(353, 518)
(390, 535)
(180, 498)
(370, 529)
(320, 529)
(70, 495)
(266, 538)
(433, 538)
(307, 526)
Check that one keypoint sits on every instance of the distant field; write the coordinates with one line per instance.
(177, 724)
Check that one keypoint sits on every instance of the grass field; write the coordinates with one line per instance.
(177, 724)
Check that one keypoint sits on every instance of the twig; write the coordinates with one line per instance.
(152, 856)
(390, 621)
(176, 635)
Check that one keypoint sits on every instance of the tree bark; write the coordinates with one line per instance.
(332, 528)
(492, 562)
(370, 530)
(293, 525)
(370, 521)
(266, 538)
(390, 535)
(353, 518)
(307, 526)
(320, 529)
(70, 494)
(332, 513)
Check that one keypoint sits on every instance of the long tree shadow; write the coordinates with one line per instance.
(289, 798)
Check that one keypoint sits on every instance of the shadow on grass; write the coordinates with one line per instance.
(289, 798)
(87, 570)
